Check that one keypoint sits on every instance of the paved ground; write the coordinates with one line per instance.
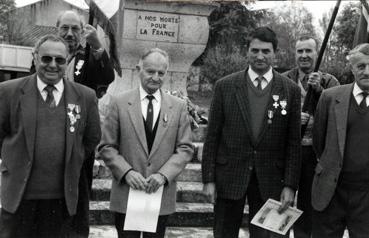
(172, 232)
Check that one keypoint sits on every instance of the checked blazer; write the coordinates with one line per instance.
(231, 153)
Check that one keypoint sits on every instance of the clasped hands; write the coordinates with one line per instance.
(150, 184)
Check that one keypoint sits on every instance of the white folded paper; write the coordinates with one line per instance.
(269, 218)
(143, 210)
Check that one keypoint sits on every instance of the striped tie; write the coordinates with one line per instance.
(50, 100)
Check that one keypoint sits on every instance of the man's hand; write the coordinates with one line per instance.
(91, 37)
(135, 180)
(209, 191)
(154, 182)
(287, 198)
(304, 118)
(314, 81)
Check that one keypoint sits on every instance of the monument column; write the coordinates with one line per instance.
(181, 29)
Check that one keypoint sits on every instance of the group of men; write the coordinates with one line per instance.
(254, 148)
(50, 131)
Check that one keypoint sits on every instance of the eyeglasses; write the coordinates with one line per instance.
(66, 28)
(47, 59)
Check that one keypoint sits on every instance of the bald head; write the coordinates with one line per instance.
(358, 52)
(70, 26)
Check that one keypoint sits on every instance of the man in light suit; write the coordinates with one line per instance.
(252, 148)
(146, 142)
(48, 126)
(340, 192)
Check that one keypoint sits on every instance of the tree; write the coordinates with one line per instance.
(5, 7)
(289, 22)
(341, 39)
(226, 51)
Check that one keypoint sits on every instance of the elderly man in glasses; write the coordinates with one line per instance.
(48, 126)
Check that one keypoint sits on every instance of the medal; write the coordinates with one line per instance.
(275, 98)
(270, 116)
(79, 67)
(283, 104)
(71, 129)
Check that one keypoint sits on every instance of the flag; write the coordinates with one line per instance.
(361, 33)
(100, 12)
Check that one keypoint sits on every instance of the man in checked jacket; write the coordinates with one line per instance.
(252, 148)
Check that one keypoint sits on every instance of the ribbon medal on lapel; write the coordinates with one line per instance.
(73, 115)
(275, 99)
(270, 116)
(165, 120)
(283, 104)
(79, 67)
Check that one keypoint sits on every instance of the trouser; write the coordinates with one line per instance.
(349, 208)
(80, 223)
(160, 228)
(229, 213)
(303, 226)
(36, 219)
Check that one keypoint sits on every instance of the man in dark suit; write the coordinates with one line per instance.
(94, 71)
(48, 126)
(252, 148)
(304, 77)
(340, 192)
(146, 142)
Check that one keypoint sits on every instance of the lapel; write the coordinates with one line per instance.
(164, 121)
(28, 105)
(341, 112)
(277, 89)
(240, 84)
(71, 97)
(135, 114)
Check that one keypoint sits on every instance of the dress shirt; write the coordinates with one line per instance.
(268, 76)
(57, 93)
(358, 96)
(155, 104)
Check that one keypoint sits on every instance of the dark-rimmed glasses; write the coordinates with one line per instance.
(46, 59)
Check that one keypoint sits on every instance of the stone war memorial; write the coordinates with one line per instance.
(181, 29)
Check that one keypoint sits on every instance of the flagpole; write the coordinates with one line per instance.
(311, 101)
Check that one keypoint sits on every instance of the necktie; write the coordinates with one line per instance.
(363, 102)
(50, 100)
(150, 112)
(304, 81)
(259, 79)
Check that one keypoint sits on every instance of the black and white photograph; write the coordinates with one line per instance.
(191, 113)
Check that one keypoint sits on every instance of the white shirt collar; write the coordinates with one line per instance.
(41, 85)
(143, 94)
(357, 90)
(268, 75)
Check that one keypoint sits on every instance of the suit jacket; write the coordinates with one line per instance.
(94, 73)
(329, 137)
(18, 126)
(124, 147)
(231, 153)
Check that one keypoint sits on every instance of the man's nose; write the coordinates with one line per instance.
(155, 76)
(70, 32)
(260, 55)
(52, 63)
(304, 54)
